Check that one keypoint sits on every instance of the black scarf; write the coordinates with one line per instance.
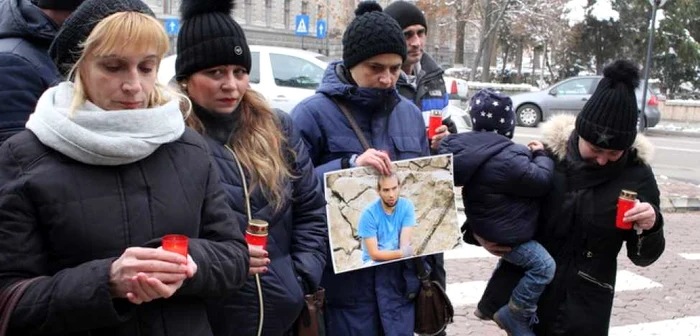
(583, 175)
(218, 126)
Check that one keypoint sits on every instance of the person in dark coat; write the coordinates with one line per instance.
(105, 169)
(502, 183)
(421, 77)
(377, 300)
(26, 70)
(597, 155)
(212, 68)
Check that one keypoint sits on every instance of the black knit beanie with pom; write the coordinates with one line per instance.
(609, 118)
(209, 37)
(371, 33)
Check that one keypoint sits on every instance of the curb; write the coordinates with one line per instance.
(652, 132)
(679, 204)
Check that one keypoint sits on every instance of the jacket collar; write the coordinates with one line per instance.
(556, 132)
(22, 19)
(337, 83)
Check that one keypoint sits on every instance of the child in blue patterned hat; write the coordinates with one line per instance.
(502, 185)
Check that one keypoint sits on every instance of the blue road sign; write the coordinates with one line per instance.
(321, 28)
(301, 25)
(172, 26)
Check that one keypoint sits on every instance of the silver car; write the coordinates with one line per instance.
(568, 97)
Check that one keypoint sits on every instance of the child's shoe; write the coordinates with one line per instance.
(515, 321)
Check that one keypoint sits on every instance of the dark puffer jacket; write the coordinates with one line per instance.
(26, 70)
(376, 300)
(71, 221)
(296, 244)
(577, 227)
(502, 182)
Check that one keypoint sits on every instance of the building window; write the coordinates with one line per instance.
(304, 7)
(320, 12)
(287, 10)
(268, 12)
(248, 11)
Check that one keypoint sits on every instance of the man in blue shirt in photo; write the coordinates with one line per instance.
(385, 225)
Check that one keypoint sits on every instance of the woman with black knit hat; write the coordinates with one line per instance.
(377, 300)
(600, 162)
(105, 170)
(264, 167)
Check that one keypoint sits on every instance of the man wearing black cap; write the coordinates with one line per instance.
(421, 78)
(26, 71)
(599, 159)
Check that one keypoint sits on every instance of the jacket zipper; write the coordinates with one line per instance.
(595, 281)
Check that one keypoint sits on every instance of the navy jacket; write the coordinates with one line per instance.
(502, 184)
(26, 70)
(297, 244)
(70, 221)
(366, 301)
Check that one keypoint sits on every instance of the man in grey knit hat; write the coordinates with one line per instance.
(26, 71)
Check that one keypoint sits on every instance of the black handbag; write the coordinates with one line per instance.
(434, 309)
(9, 297)
(311, 321)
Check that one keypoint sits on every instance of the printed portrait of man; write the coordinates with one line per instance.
(385, 225)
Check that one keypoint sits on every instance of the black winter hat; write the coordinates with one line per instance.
(209, 37)
(492, 111)
(68, 5)
(609, 118)
(406, 14)
(65, 49)
(371, 33)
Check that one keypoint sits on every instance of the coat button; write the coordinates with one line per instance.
(589, 254)
(411, 296)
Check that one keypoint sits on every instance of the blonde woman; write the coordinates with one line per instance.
(245, 134)
(105, 169)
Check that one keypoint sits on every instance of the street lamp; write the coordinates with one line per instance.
(655, 4)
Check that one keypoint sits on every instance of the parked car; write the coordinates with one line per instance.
(457, 88)
(285, 76)
(568, 97)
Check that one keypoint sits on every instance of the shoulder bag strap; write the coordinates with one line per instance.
(245, 184)
(9, 299)
(353, 124)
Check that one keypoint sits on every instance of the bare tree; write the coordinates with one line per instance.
(491, 19)
(451, 13)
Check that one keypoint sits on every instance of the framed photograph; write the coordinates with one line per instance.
(375, 219)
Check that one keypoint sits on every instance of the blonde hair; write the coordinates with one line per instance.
(259, 144)
(124, 30)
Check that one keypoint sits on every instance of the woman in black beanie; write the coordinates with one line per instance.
(599, 158)
(105, 170)
(264, 168)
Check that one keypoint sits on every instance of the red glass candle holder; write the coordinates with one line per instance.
(175, 243)
(256, 233)
(434, 121)
(625, 202)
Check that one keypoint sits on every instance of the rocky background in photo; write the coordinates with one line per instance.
(427, 182)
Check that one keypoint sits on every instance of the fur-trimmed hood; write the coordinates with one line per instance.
(556, 131)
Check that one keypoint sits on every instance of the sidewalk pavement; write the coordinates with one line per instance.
(676, 196)
(675, 128)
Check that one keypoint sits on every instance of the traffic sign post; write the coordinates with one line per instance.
(321, 29)
(172, 26)
(301, 27)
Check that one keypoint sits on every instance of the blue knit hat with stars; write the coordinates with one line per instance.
(492, 111)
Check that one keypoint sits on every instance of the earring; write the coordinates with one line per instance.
(183, 86)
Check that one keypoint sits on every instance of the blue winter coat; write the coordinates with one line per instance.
(297, 244)
(26, 70)
(367, 301)
(502, 184)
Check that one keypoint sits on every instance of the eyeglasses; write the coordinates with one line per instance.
(408, 34)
